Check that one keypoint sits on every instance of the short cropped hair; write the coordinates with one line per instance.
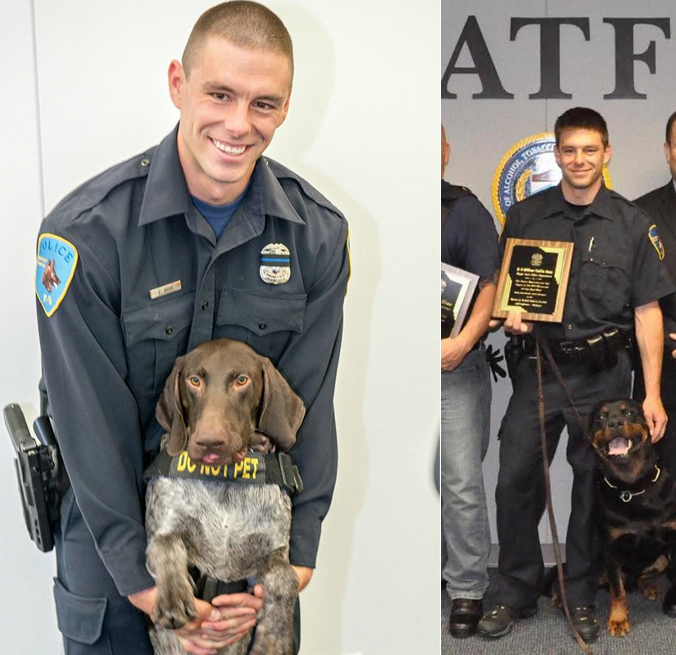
(243, 23)
(670, 124)
(582, 118)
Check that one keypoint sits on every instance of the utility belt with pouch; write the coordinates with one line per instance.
(596, 353)
(40, 472)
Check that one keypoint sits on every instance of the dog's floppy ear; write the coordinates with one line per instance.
(282, 410)
(169, 411)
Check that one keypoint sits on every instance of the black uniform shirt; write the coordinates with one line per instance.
(660, 205)
(468, 238)
(615, 268)
(108, 347)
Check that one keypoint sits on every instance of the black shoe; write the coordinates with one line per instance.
(669, 602)
(465, 614)
(500, 620)
(586, 622)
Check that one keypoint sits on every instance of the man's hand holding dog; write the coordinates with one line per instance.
(222, 623)
(218, 625)
(231, 616)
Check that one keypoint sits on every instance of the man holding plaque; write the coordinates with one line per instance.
(660, 204)
(616, 280)
(468, 242)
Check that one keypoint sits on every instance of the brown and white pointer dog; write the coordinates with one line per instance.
(221, 401)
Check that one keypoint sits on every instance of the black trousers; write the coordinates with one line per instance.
(92, 616)
(520, 493)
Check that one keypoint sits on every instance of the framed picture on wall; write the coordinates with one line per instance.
(457, 291)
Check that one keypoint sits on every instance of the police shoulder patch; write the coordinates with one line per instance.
(56, 262)
(656, 241)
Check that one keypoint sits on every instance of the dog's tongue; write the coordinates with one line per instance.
(618, 446)
(210, 459)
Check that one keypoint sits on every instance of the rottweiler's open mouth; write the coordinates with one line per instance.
(619, 447)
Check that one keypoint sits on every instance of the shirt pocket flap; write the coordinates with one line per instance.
(79, 618)
(261, 313)
(160, 319)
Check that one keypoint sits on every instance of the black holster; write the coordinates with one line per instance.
(604, 349)
(514, 351)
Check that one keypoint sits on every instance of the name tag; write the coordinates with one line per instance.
(165, 290)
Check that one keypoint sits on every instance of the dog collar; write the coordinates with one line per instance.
(255, 468)
(626, 496)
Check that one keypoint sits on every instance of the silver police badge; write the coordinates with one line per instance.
(275, 264)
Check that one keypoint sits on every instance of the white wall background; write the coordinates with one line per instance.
(482, 131)
(84, 86)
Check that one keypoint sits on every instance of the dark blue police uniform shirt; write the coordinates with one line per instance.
(615, 266)
(108, 348)
(469, 240)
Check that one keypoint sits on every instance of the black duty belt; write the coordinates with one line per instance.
(255, 468)
(599, 351)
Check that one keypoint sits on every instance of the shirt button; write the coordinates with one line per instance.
(205, 304)
(170, 329)
(262, 325)
(570, 326)
(145, 163)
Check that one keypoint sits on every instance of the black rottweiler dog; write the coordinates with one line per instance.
(637, 504)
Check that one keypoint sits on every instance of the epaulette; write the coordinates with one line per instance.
(618, 196)
(281, 172)
(95, 190)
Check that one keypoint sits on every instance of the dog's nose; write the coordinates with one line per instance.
(614, 423)
(210, 442)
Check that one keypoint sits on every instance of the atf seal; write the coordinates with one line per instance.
(528, 167)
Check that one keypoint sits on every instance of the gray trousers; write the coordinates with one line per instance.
(465, 431)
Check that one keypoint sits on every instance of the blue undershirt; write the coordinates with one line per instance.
(217, 215)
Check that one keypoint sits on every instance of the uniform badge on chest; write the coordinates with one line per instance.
(275, 264)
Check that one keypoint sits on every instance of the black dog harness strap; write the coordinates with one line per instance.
(207, 588)
(255, 468)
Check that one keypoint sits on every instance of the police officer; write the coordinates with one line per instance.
(660, 205)
(616, 280)
(468, 241)
(198, 238)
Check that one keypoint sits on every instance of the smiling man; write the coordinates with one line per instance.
(616, 280)
(198, 238)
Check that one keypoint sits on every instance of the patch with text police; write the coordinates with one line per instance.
(275, 264)
(56, 262)
(251, 469)
(527, 168)
(656, 241)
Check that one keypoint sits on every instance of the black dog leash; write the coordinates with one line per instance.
(541, 341)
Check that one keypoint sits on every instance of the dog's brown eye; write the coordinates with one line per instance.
(194, 380)
(242, 380)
